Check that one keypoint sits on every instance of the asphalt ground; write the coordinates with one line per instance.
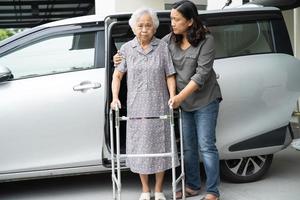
(281, 182)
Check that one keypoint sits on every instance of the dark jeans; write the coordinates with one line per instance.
(199, 136)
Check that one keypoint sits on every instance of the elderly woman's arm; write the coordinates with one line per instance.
(171, 83)
(115, 88)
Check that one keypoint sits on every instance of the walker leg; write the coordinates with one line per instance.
(113, 173)
(173, 153)
(182, 156)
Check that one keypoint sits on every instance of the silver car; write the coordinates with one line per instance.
(55, 92)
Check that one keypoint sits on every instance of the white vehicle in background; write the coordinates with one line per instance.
(55, 93)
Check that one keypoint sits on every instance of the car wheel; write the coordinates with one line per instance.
(246, 169)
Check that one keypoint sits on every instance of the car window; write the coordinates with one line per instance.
(51, 55)
(242, 39)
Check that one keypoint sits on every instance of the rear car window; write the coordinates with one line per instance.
(243, 39)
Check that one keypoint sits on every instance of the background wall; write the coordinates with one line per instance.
(292, 20)
(130, 5)
(289, 20)
(112, 6)
(297, 32)
(218, 4)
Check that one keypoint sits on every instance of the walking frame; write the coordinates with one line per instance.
(115, 157)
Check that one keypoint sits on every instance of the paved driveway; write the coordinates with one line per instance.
(282, 182)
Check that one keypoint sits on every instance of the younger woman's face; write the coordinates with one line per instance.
(179, 24)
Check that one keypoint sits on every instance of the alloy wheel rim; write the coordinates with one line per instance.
(246, 166)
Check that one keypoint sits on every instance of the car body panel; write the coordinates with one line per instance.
(259, 92)
(48, 125)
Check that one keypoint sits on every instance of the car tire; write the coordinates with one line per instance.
(246, 169)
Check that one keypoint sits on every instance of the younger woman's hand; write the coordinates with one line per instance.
(175, 101)
(117, 58)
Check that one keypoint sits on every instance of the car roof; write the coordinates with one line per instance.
(96, 18)
(126, 16)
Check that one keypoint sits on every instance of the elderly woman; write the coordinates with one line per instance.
(150, 84)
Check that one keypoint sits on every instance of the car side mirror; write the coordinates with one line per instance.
(5, 74)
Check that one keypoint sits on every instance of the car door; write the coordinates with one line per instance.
(256, 78)
(52, 112)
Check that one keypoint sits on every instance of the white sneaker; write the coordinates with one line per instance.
(159, 196)
(145, 196)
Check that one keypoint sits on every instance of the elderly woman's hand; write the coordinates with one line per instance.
(114, 103)
(117, 58)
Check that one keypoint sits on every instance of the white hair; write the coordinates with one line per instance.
(140, 12)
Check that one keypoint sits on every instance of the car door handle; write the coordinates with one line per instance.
(86, 85)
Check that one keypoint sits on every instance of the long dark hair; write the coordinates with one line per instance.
(195, 33)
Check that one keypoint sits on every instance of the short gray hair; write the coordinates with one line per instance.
(140, 12)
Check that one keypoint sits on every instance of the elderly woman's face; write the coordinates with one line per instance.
(144, 28)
